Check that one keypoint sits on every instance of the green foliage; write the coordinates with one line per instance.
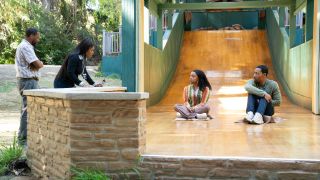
(9, 154)
(92, 174)
(61, 27)
(88, 174)
(55, 43)
(11, 20)
(100, 74)
(129, 173)
(108, 16)
(21, 14)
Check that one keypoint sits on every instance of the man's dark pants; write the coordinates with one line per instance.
(25, 84)
(259, 104)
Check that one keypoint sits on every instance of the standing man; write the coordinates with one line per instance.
(27, 66)
(263, 95)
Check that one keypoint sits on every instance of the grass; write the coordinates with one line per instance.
(126, 173)
(88, 174)
(3, 169)
(9, 154)
(92, 174)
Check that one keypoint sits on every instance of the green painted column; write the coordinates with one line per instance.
(129, 46)
(282, 14)
(169, 23)
(159, 30)
(292, 31)
(309, 20)
(170, 13)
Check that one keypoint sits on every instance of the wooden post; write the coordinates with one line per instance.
(140, 57)
(292, 31)
(315, 60)
(282, 14)
(159, 30)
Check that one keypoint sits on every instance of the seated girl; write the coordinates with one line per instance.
(196, 96)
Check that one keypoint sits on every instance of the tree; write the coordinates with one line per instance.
(62, 24)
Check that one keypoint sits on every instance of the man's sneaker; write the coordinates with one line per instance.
(202, 116)
(178, 115)
(257, 119)
(249, 117)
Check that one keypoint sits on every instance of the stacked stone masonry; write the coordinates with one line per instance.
(177, 168)
(104, 134)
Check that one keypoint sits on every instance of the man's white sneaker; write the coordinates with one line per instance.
(202, 116)
(249, 116)
(257, 119)
(178, 115)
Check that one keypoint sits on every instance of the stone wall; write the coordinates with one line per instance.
(103, 134)
(48, 137)
(188, 168)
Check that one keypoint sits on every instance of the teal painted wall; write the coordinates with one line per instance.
(112, 65)
(248, 19)
(293, 66)
(153, 38)
(160, 65)
(300, 37)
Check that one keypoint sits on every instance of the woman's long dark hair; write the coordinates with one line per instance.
(203, 80)
(81, 49)
(84, 46)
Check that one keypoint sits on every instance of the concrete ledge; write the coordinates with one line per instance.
(230, 158)
(101, 93)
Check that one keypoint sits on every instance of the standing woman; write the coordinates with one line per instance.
(75, 65)
(196, 96)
